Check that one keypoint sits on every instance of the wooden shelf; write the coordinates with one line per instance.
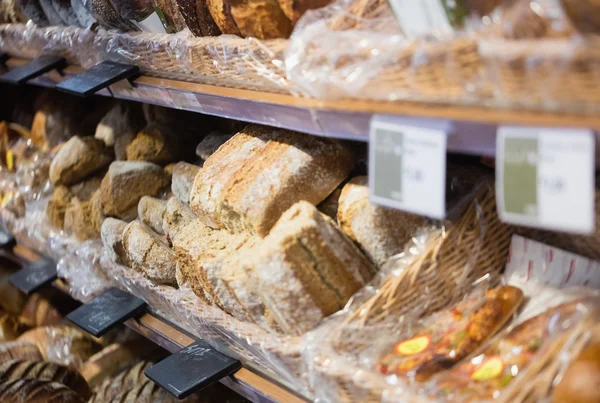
(473, 127)
(248, 382)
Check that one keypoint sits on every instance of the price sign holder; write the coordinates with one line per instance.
(34, 276)
(107, 311)
(545, 178)
(407, 165)
(191, 369)
(33, 69)
(98, 77)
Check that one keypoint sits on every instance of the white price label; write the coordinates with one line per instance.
(192, 99)
(407, 168)
(545, 178)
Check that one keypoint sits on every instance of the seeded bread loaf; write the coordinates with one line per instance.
(77, 159)
(149, 254)
(183, 180)
(380, 232)
(303, 271)
(112, 239)
(259, 173)
(19, 350)
(177, 215)
(107, 15)
(126, 380)
(45, 371)
(151, 212)
(37, 391)
(125, 184)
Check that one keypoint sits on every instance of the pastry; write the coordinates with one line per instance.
(452, 335)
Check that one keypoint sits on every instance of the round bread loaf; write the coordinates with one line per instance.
(37, 391)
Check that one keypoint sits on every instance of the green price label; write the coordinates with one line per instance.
(520, 175)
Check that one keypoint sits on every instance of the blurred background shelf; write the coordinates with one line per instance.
(473, 128)
(248, 382)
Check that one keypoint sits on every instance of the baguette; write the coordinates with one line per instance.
(37, 391)
(149, 254)
(45, 371)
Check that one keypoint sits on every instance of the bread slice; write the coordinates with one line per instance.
(151, 211)
(261, 172)
(303, 271)
(126, 182)
(149, 254)
(381, 232)
(112, 239)
(183, 180)
(77, 159)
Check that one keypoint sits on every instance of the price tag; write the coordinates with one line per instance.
(98, 77)
(34, 276)
(107, 311)
(545, 178)
(191, 369)
(407, 168)
(33, 69)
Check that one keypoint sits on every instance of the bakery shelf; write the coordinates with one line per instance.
(248, 382)
(474, 127)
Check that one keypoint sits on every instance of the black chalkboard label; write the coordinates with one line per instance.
(33, 69)
(107, 311)
(34, 276)
(98, 77)
(191, 369)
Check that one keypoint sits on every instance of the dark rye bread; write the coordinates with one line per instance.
(45, 371)
(127, 379)
(37, 391)
(19, 350)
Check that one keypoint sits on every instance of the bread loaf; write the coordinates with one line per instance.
(196, 247)
(84, 17)
(78, 220)
(37, 391)
(262, 19)
(106, 14)
(208, 26)
(19, 350)
(210, 144)
(183, 180)
(177, 215)
(329, 206)
(66, 13)
(86, 188)
(126, 380)
(221, 13)
(112, 360)
(149, 254)
(45, 371)
(33, 10)
(112, 239)
(11, 327)
(381, 232)
(173, 18)
(303, 271)
(56, 208)
(77, 159)
(125, 184)
(96, 212)
(62, 344)
(149, 392)
(259, 173)
(294, 9)
(123, 119)
(151, 212)
(39, 310)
